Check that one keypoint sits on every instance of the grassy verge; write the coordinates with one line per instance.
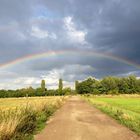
(22, 123)
(118, 108)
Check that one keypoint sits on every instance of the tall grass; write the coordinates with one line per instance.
(20, 122)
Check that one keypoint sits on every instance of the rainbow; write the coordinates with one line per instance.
(67, 53)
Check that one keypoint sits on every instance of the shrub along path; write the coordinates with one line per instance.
(77, 120)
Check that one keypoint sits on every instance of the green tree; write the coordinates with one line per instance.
(67, 91)
(30, 91)
(43, 86)
(86, 86)
(110, 85)
(60, 88)
(138, 85)
(76, 86)
(39, 92)
(132, 83)
(97, 87)
(123, 85)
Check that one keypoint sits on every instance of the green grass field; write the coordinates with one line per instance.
(125, 109)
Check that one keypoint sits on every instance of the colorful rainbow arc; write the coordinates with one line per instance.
(67, 52)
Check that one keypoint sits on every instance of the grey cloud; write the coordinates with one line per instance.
(15, 10)
(110, 26)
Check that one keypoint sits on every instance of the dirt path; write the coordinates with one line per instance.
(77, 120)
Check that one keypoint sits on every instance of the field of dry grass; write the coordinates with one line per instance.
(20, 117)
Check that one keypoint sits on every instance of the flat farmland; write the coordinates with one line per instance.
(12, 103)
(124, 108)
(20, 118)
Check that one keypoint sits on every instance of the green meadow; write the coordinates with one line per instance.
(124, 108)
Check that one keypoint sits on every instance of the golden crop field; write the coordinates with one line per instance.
(12, 103)
(20, 116)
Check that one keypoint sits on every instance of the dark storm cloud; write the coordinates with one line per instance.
(15, 10)
(106, 26)
(112, 26)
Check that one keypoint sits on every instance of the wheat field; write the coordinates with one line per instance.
(19, 116)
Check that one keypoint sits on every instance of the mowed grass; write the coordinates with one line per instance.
(124, 108)
(128, 103)
(20, 118)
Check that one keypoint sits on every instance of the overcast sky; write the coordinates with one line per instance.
(110, 27)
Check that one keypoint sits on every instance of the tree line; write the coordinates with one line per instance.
(109, 85)
(40, 91)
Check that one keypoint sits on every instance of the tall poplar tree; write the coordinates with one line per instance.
(60, 86)
(43, 86)
(76, 85)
